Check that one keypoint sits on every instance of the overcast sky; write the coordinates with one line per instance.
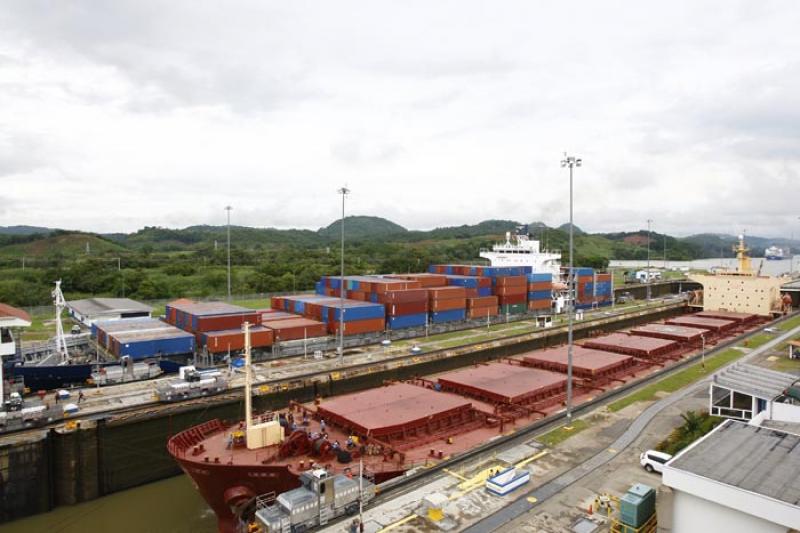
(115, 115)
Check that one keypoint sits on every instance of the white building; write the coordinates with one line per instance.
(753, 393)
(739, 478)
(92, 310)
(11, 317)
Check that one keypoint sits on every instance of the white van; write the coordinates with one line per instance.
(653, 461)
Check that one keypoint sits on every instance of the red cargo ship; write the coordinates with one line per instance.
(393, 428)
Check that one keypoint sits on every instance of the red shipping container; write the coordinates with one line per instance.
(512, 299)
(539, 304)
(603, 277)
(471, 293)
(482, 312)
(483, 301)
(512, 290)
(448, 304)
(409, 308)
(447, 292)
(395, 286)
(224, 322)
(540, 286)
(511, 281)
(358, 295)
(404, 296)
(357, 327)
(289, 330)
(425, 280)
(222, 341)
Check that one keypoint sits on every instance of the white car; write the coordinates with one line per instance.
(653, 461)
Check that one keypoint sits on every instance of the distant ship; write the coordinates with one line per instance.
(773, 253)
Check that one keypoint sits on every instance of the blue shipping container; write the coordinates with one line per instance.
(360, 312)
(448, 316)
(540, 295)
(484, 291)
(408, 321)
(539, 277)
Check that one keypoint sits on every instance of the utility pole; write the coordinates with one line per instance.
(570, 162)
(647, 278)
(121, 275)
(344, 191)
(228, 209)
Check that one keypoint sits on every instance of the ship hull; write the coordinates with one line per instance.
(227, 487)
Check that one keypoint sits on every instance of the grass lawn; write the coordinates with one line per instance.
(559, 435)
(678, 380)
(789, 324)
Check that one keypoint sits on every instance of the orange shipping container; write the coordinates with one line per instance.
(511, 291)
(483, 301)
(448, 304)
(539, 304)
(356, 327)
(540, 286)
(288, 330)
(482, 312)
(222, 341)
(447, 292)
(511, 281)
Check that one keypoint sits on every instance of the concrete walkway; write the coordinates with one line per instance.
(523, 503)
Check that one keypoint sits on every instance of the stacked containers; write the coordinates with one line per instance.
(141, 338)
(540, 291)
(511, 292)
(201, 318)
(405, 308)
(482, 307)
(359, 317)
(475, 285)
(233, 339)
(447, 304)
(295, 328)
(584, 287)
(603, 289)
(425, 280)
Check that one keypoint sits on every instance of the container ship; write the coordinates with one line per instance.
(406, 425)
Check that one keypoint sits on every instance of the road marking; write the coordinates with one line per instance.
(612, 450)
(455, 474)
(531, 459)
(531, 499)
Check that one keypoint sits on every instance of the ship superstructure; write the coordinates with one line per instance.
(773, 253)
(520, 250)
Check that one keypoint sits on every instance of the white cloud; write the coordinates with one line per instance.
(114, 116)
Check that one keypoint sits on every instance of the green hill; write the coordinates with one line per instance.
(67, 244)
(362, 227)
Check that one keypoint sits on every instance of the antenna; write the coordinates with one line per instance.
(248, 382)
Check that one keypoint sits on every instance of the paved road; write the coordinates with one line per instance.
(521, 505)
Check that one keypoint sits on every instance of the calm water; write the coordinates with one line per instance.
(773, 268)
(171, 505)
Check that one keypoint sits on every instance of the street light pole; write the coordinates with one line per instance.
(647, 277)
(344, 191)
(121, 275)
(571, 162)
(228, 209)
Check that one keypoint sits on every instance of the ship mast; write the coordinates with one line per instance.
(741, 250)
(248, 382)
(61, 340)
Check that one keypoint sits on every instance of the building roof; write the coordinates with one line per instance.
(755, 459)
(754, 380)
(11, 316)
(106, 306)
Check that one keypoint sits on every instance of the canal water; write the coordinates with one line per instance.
(772, 268)
(167, 506)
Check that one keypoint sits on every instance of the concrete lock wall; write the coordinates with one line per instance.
(65, 467)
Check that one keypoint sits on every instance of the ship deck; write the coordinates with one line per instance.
(740, 318)
(634, 345)
(712, 324)
(389, 409)
(586, 362)
(671, 332)
(504, 383)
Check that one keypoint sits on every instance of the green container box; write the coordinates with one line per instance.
(513, 309)
(637, 505)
